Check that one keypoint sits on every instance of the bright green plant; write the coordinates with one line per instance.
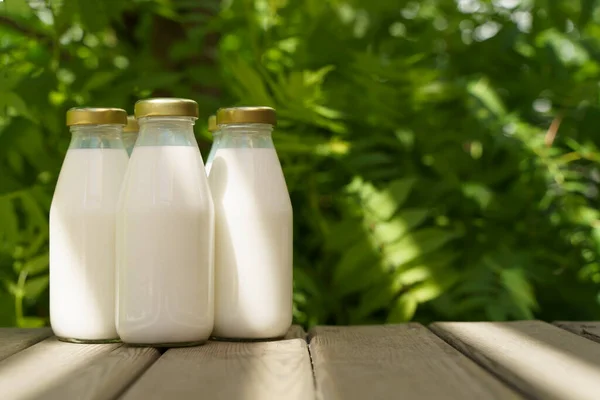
(441, 155)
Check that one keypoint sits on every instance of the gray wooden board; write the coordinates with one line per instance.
(539, 359)
(590, 330)
(395, 361)
(229, 370)
(31, 372)
(13, 340)
(106, 377)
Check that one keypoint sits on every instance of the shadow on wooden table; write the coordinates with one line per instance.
(536, 358)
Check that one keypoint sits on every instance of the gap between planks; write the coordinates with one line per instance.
(389, 361)
(230, 370)
(13, 340)
(65, 370)
(539, 359)
(589, 330)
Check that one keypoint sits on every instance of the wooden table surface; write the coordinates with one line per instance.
(446, 360)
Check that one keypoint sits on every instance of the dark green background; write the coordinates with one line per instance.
(441, 155)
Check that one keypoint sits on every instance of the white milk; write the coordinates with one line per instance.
(82, 244)
(213, 151)
(165, 248)
(253, 251)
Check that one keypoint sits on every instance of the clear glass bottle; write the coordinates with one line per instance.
(253, 229)
(214, 129)
(165, 232)
(130, 133)
(82, 227)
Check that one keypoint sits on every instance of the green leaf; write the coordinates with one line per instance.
(344, 234)
(360, 255)
(93, 15)
(420, 243)
(37, 264)
(18, 8)
(373, 299)
(14, 101)
(388, 232)
(412, 275)
(32, 322)
(9, 226)
(486, 94)
(426, 291)
(385, 203)
(35, 287)
(403, 310)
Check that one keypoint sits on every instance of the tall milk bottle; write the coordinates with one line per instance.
(165, 232)
(130, 133)
(82, 227)
(253, 229)
(214, 129)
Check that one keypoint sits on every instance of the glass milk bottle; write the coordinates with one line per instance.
(165, 232)
(82, 227)
(214, 129)
(253, 229)
(130, 133)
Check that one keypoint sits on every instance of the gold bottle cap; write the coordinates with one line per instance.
(246, 115)
(166, 107)
(132, 125)
(212, 123)
(96, 116)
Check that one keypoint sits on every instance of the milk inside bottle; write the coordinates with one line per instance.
(82, 227)
(253, 229)
(130, 133)
(214, 129)
(165, 232)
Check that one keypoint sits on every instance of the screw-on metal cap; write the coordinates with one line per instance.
(96, 116)
(246, 115)
(132, 125)
(166, 107)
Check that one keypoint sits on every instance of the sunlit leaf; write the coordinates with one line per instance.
(37, 264)
(421, 242)
(403, 310)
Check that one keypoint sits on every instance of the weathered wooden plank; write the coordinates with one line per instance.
(31, 372)
(106, 377)
(229, 370)
(590, 330)
(13, 340)
(539, 359)
(295, 332)
(395, 361)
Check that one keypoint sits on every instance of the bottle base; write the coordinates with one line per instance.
(88, 341)
(168, 344)
(227, 339)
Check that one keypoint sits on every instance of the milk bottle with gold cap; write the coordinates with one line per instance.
(130, 133)
(165, 232)
(253, 242)
(214, 129)
(82, 227)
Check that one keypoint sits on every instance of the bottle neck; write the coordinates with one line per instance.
(246, 136)
(166, 131)
(96, 137)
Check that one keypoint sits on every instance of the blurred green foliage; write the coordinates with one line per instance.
(441, 156)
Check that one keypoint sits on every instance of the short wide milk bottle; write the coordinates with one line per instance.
(253, 229)
(165, 232)
(82, 227)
